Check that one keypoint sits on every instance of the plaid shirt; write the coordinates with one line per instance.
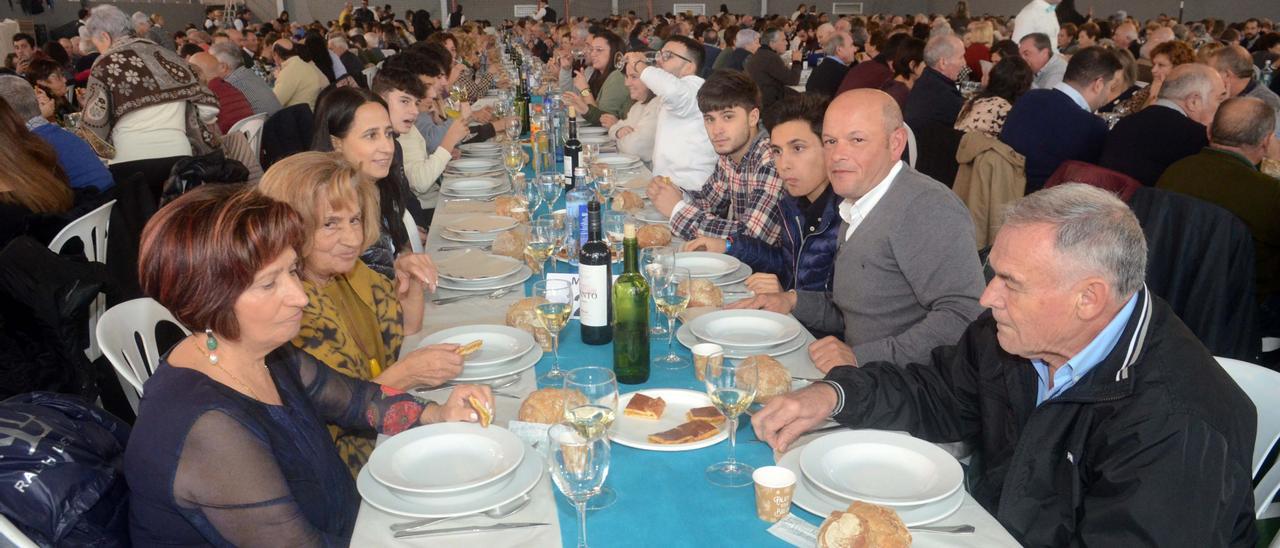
(737, 199)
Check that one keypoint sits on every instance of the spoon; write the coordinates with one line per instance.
(495, 295)
(497, 512)
(956, 529)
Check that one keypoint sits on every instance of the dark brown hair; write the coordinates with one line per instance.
(201, 251)
(33, 178)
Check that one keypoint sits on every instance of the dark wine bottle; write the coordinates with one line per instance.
(522, 103)
(593, 282)
(630, 316)
(572, 146)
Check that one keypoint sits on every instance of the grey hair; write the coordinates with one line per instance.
(770, 35)
(941, 47)
(227, 53)
(139, 18)
(835, 42)
(86, 44)
(1187, 80)
(109, 19)
(340, 42)
(20, 95)
(1242, 122)
(745, 36)
(1096, 232)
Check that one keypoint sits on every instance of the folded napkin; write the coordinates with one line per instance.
(471, 264)
(481, 223)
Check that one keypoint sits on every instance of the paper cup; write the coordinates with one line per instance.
(774, 487)
(703, 353)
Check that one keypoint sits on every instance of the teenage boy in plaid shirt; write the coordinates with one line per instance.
(742, 193)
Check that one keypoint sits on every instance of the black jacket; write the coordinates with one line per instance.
(1144, 144)
(934, 100)
(800, 262)
(826, 78)
(772, 75)
(1152, 447)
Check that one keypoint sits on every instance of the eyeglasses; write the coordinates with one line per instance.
(667, 54)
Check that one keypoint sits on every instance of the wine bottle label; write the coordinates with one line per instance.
(593, 299)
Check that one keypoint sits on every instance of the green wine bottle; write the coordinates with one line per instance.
(630, 316)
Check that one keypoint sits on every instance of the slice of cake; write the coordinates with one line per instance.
(706, 414)
(644, 407)
(688, 432)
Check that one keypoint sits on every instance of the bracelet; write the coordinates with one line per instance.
(585, 93)
(728, 244)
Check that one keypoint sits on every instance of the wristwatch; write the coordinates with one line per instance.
(585, 93)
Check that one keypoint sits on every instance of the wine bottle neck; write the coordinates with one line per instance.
(629, 256)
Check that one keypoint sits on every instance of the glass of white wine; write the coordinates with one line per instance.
(614, 223)
(579, 466)
(541, 243)
(553, 314)
(512, 159)
(653, 262)
(594, 415)
(732, 388)
(513, 129)
(671, 295)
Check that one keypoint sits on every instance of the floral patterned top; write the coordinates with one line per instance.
(334, 333)
(984, 115)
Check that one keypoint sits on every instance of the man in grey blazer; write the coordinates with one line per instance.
(906, 277)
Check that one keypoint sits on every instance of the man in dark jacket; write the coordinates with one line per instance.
(1144, 144)
(934, 100)
(826, 78)
(1098, 418)
(773, 74)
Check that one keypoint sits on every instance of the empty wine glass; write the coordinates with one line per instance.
(550, 186)
(732, 389)
(614, 223)
(528, 192)
(553, 314)
(542, 243)
(671, 295)
(579, 466)
(592, 416)
(513, 129)
(653, 262)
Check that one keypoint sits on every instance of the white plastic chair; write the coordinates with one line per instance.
(911, 146)
(90, 229)
(1262, 385)
(370, 72)
(415, 242)
(127, 334)
(251, 127)
(14, 536)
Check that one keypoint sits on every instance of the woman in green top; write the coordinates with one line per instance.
(605, 92)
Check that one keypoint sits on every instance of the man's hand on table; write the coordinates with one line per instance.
(830, 352)
(761, 283)
(782, 303)
(704, 243)
(788, 416)
(664, 195)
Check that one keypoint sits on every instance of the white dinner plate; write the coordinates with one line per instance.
(501, 370)
(821, 503)
(472, 186)
(480, 147)
(688, 339)
(592, 130)
(481, 224)
(745, 328)
(650, 215)
(634, 432)
(616, 160)
(472, 165)
(595, 140)
(501, 343)
(514, 279)
(449, 457)
(881, 467)
(501, 266)
(737, 276)
(525, 477)
(468, 238)
(702, 264)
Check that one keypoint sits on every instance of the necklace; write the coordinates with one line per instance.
(218, 364)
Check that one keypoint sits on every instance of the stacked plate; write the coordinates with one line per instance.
(474, 187)
(506, 350)
(745, 333)
(919, 480)
(449, 469)
(702, 264)
(477, 228)
(474, 270)
(619, 162)
(481, 150)
(602, 140)
(592, 130)
(473, 166)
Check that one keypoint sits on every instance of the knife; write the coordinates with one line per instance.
(464, 530)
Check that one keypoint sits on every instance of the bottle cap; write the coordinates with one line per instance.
(629, 231)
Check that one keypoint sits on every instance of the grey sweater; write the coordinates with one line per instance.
(906, 281)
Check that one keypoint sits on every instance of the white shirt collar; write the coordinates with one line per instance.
(1073, 94)
(856, 211)
(1170, 104)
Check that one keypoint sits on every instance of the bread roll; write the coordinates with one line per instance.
(522, 315)
(512, 206)
(627, 201)
(772, 378)
(864, 525)
(704, 293)
(546, 406)
(653, 236)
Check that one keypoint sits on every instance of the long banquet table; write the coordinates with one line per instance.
(663, 497)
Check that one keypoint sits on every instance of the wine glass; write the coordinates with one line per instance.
(614, 223)
(579, 466)
(671, 294)
(606, 184)
(732, 388)
(542, 243)
(654, 261)
(453, 103)
(512, 159)
(513, 129)
(553, 314)
(550, 187)
(593, 416)
(590, 153)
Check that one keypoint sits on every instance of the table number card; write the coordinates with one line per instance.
(795, 531)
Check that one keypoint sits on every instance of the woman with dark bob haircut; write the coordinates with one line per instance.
(230, 446)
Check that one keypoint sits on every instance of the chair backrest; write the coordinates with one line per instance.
(912, 154)
(91, 230)
(1075, 171)
(14, 536)
(1262, 385)
(127, 333)
(251, 127)
(369, 73)
(411, 227)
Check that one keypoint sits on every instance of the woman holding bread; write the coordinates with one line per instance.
(355, 319)
(230, 446)
(805, 256)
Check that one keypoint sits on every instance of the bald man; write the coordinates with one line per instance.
(232, 104)
(298, 81)
(906, 279)
(934, 100)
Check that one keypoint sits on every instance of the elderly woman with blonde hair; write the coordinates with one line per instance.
(355, 319)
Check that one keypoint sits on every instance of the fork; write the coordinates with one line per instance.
(495, 295)
(475, 247)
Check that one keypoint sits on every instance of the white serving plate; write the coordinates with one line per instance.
(634, 432)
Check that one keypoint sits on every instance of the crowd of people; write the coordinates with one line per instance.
(860, 165)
